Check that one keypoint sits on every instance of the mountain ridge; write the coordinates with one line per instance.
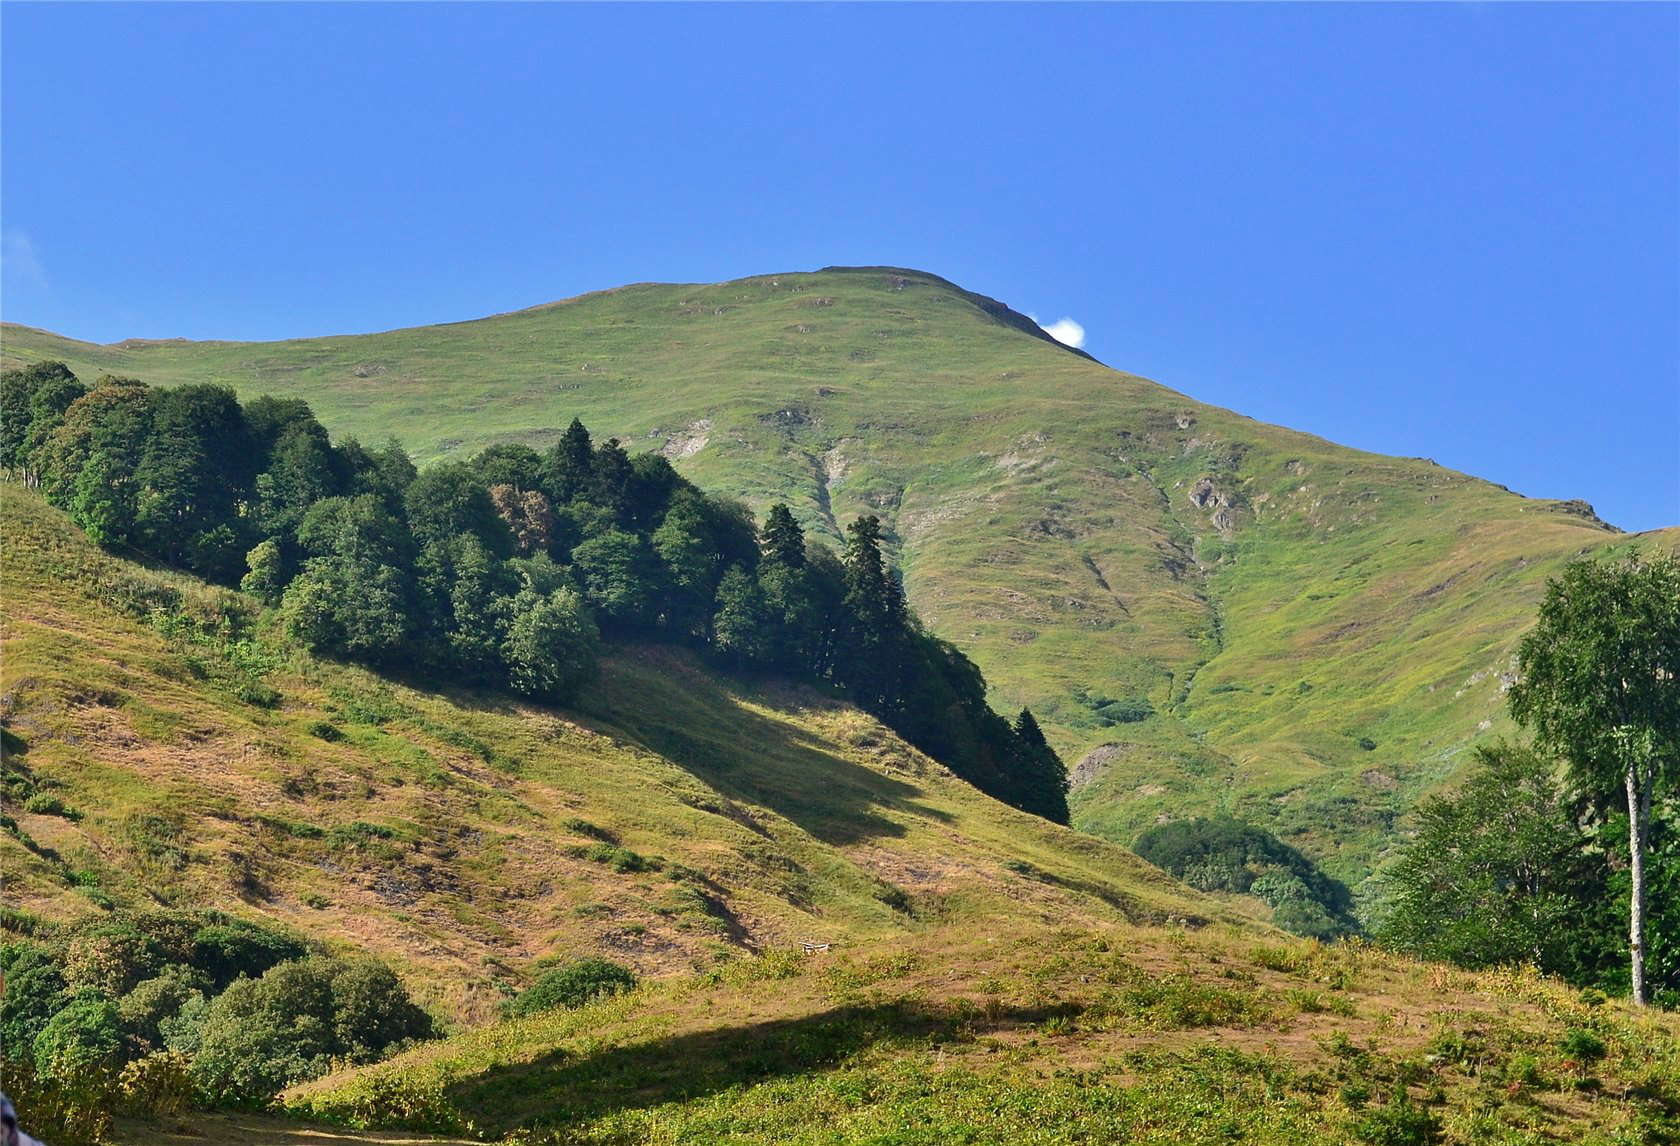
(1263, 601)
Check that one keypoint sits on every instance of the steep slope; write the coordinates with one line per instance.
(157, 754)
(1320, 633)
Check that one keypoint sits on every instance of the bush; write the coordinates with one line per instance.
(1582, 1045)
(261, 1035)
(161, 1013)
(61, 1103)
(1398, 1124)
(47, 804)
(157, 1086)
(574, 986)
(86, 1036)
(231, 948)
(34, 993)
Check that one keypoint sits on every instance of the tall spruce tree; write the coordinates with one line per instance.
(569, 469)
(784, 540)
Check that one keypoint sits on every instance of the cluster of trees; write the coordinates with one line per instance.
(1540, 851)
(236, 1010)
(504, 569)
(1221, 853)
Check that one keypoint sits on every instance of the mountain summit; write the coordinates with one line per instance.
(1206, 612)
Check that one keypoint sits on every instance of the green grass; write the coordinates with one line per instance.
(1114, 1034)
(1279, 600)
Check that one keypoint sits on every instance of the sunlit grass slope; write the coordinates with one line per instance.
(671, 820)
(1109, 1034)
(1320, 632)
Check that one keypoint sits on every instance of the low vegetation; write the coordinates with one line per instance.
(157, 1012)
(1052, 1036)
(1224, 854)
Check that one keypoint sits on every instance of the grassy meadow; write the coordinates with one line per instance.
(980, 975)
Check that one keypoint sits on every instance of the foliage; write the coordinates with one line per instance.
(369, 561)
(1225, 854)
(260, 1035)
(1598, 683)
(1499, 872)
(139, 1011)
(574, 985)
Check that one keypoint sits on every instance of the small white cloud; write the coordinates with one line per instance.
(1065, 331)
(19, 262)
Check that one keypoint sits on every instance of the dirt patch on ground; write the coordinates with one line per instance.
(688, 441)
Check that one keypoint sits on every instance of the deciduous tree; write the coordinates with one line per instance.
(1599, 682)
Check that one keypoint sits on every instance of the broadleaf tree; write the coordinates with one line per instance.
(1599, 683)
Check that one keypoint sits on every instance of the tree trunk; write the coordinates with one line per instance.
(1639, 812)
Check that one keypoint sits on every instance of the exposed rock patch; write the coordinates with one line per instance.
(688, 441)
(1092, 763)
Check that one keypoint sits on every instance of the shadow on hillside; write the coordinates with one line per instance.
(701, 726)
(560, 1090)
(697, 723)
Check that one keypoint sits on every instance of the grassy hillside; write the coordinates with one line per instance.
(159, 751)
(1108, 1034)
(1320, 633)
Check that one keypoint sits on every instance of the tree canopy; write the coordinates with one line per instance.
(506, 569)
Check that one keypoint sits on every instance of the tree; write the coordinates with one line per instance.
(466, 594)
(622, 577)
(509, 464)
(569, 469)
(195, 466)
(784, 541)
(1498, 872)
(32, 404)
(872, 646)
(741, 626)
(449, 499)
(686, 548)
(1599, 682)
(87, 465)
(529, 517)
(354, 597)
(552, 644)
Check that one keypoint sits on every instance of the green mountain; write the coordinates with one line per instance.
(974, 971)
(1208, 614)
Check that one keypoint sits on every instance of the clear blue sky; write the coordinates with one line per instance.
(1442, 230)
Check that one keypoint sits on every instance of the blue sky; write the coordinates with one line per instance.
(1440, 230)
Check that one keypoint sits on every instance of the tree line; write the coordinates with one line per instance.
(506, 569)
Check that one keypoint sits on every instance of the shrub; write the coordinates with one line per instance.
(34, 993)
(573, 986)
(47, 804)
(1398, 1124)
(1582, 1045)
(232, 947)
(261, 1035)
(61, 1103)
(390, 1100)
(85, 1036)
(153, 1011)
(157, 1086)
